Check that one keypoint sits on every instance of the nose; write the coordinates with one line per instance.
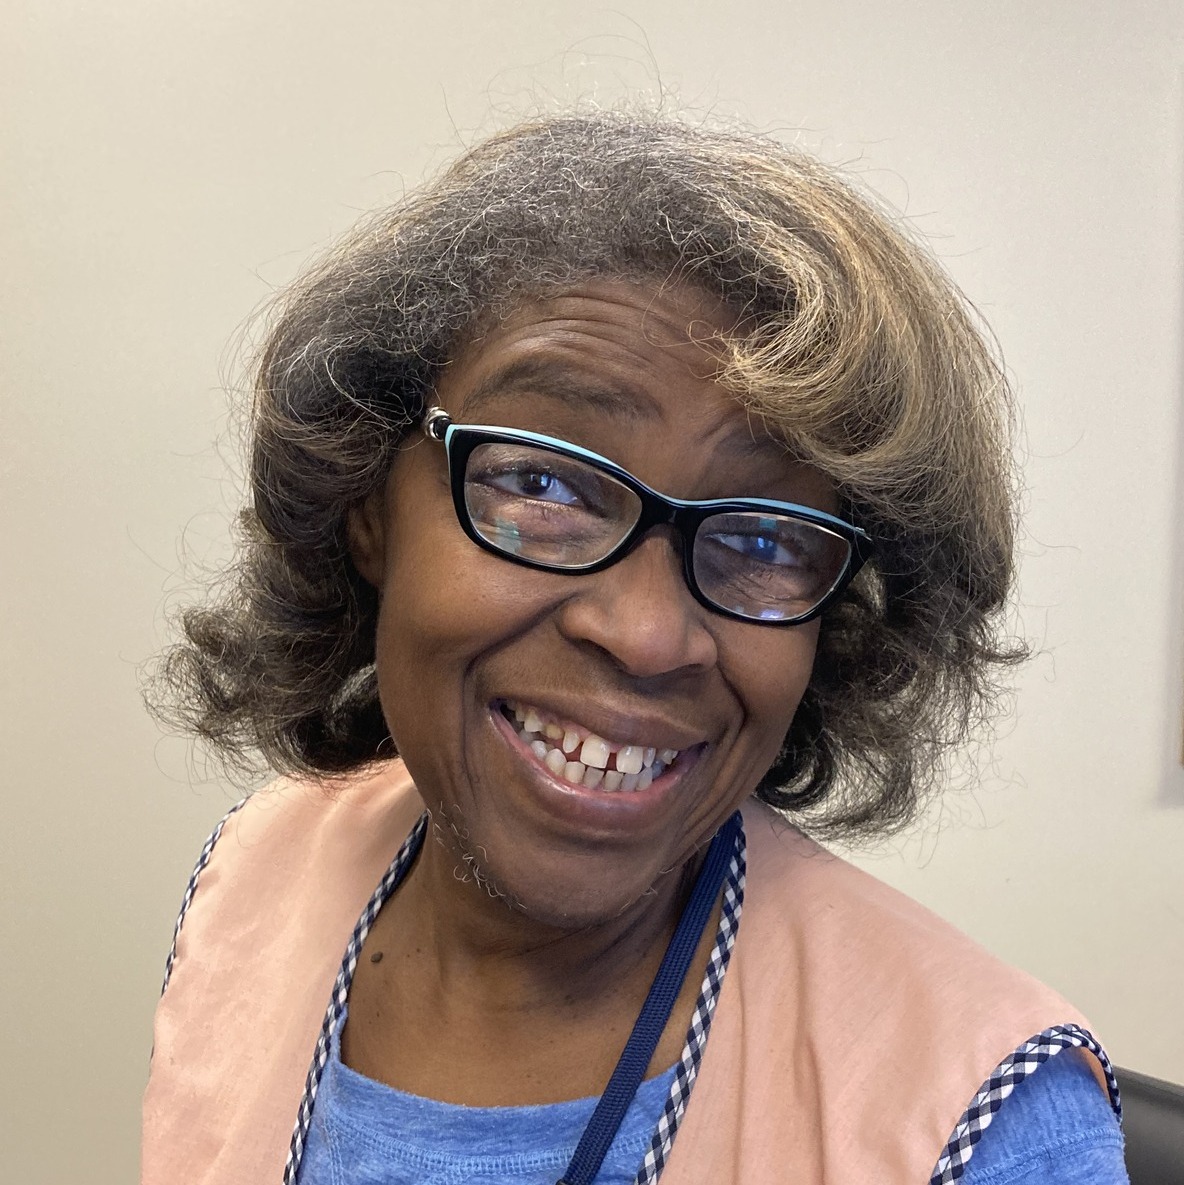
(641, 613)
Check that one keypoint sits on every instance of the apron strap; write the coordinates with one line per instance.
(655, 1012)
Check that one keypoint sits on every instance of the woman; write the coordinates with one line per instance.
(627, 482)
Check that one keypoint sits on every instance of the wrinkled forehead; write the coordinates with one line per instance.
(668, 305)
(609, 345)
(625, 369)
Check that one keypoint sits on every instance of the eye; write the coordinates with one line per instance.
(535, 483)
(764, 548)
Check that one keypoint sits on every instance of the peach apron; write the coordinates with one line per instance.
(854, 1036)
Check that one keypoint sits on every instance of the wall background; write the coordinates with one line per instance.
(167, 166)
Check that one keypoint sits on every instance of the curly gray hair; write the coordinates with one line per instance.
(857, 352)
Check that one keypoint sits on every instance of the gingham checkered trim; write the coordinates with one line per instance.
(688, 1067)
(692, 1054)
(1003, 1080)
(191, 888)
(390, 881)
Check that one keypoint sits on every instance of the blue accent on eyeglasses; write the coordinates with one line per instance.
(656, 509)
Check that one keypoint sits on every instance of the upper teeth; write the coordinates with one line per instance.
(583, 758)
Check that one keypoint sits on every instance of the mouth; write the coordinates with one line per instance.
(576, 755)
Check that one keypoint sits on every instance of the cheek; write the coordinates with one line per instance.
(445, 605)
(775, 677)
(417, 627)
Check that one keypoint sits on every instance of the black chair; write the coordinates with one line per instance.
(1153, 1119)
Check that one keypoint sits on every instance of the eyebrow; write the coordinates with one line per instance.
(580, 389)
(755, 447)
(558, 380)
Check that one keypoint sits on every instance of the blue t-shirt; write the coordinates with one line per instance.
(1056, 1128)
(367, 1133)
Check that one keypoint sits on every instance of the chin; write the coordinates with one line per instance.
(563, 903)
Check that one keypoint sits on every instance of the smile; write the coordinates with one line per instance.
(581, 758)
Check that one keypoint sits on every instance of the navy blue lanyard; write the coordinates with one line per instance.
(655, 1012)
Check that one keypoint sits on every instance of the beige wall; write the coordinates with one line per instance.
(166, 165)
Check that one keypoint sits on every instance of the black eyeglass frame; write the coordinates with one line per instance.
(657, 510)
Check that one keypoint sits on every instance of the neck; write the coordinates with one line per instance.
(491, 953)
(479, 1002)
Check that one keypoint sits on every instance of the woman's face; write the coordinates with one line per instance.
(625, 655)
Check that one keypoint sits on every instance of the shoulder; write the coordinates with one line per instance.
(1055, 1127)
(266, 918)
(850, 926)
(870, 1007)
(304, 807)
(295, 825)
(292, 850)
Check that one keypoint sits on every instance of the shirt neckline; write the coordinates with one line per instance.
(685, 1070)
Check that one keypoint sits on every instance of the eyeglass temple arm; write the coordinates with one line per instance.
(435, 423)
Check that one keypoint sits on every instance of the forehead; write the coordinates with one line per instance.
(629, 370)
(628, 350)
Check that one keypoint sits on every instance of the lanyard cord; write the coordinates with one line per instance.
(655, 1012)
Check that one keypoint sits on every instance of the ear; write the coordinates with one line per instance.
(366, 532)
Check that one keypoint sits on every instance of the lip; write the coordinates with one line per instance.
(598, 809)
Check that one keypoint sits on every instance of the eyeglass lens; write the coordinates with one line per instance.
(544, 507)
(766, 566)
(565, 513)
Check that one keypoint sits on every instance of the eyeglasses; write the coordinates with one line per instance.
(547, 504)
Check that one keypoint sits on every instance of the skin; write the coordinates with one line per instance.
(518, 951)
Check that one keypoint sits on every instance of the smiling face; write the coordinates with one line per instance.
(625, 656)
